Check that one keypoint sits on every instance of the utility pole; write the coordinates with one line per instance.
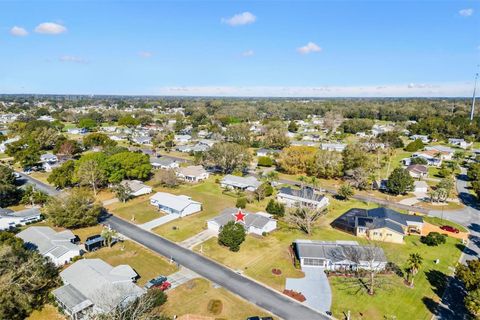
(473, 99)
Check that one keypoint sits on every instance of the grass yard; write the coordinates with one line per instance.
(394, 163)
(251, 257)
(138, 210)
(213, 202)
(396, 299)
(442, 222)
(146, 263)
(40, 175)
(194, 296)
(48, 312)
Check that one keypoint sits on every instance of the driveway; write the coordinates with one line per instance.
(159, 221)
(314, 286)
(198, 238)
(181, 276)
(258, 294)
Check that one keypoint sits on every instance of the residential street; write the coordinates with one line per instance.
(51, 191)
(268, 299)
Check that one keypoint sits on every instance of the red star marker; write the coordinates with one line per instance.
(240, 216)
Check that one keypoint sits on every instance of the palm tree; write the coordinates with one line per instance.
(414, 263)
(302, 180)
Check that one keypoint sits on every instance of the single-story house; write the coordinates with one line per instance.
(182, 138)
(58, 246)
(77, 130)
(380, 224)
(192, 173)
(297, 143)
(266, 152)
(138, 187)
(48, 160)
(460, 143)
(417, 170)
(339, 255)
(92, 287)
(446, 153)
(423, 138)
(420, 186)
(10, 219)
(240, 183)
(175, 204)
(164, 163)
(142, 140)
(3, 145)
(339, 147)
(257, 223)
(303, 197)
(431, 157)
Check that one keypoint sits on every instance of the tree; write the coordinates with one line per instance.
(109, 235)
(354, 157)
(292, 127)
(232, 235)
(74, 210)
(415, 146)
(98, 139)
(128, 121)
(67, 148)
(91, 173)
(345, 191)
(399, 181)
(469, 274)
(239, 133)
(128, 165)
(276, 208)
(472, 302)
(241, 203)
(33, 197)
(391, 139)
(26, 278)
(87, 123)
(433, 239)
(326, 165)
(263, 191)
(418, 160)
(9, 193)
(332, 120)
(304, 217)
(123, 192)
(296, 159)
(265, 161)
(227, 157)
(414, 263)
(62, 176)
(275, 136)
(166, 178)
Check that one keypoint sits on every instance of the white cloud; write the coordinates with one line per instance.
(240, 19)
(74, 59)
(50, 28)
(145, 54)
(308, 48)
(18, 31)
(466, 12)
(459, 89)
(248, 53)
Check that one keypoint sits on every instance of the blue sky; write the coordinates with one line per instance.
(264, 48)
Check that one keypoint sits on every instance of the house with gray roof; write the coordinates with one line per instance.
(164, 163)
(256, 223)
(240, 183)
(339, 255)
(380, 224)
(338, 147)
(303, 197)
(92, 287)
(137, 187)
(175, 204)
(192, 173)
(59, 247)
(10, 219)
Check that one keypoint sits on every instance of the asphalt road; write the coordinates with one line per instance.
(26, 179)
(266, 298)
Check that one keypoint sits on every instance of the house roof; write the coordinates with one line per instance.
(48, 241)
(192, 171)
(337, 251)
(99, 282)
(162, 161)
(417, 168)
(134, 185)
(304, 193)
(241, 182)
(175, 202)
(73, 299)
(25, 213)
(256, 220)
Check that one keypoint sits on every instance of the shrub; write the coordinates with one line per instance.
(232, 235)
(434, 239)
(265, 162)
(275, 208)
(415, 146)
(215, 306)
(241, 202)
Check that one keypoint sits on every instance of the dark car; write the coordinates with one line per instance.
(254, 318)
(450, 229)
(156, 282)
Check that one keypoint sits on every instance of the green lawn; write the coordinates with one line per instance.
(145, 262)
(138, 210)
(40, 175)
(394, 299)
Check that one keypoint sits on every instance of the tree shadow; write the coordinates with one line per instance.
(466, 250)
(475, 227)
(438, 280)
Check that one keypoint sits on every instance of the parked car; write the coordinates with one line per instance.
(165, 286)
(156, 282)
(450, 229)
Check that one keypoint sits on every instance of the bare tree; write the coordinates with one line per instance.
(332, 120)
(90, 173)
(304, 217)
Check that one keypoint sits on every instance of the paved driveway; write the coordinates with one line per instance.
(264, 297)
(159, 221)
(181, 276)
(314, 286)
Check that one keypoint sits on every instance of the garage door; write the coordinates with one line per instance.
(313, 262)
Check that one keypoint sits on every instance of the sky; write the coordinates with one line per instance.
(240, 48)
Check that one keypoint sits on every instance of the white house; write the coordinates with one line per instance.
(3, 145)
(304, 197)
(417, 171)
(175, 204)
(240, 183)
(182, 138)
(92, 287)
(138, 187)
(423, 138)
(48, 160)
(334, 255)
(460, 143)
(338, 147)
(164, 163)
(77, 130)
(256, 223)
(58, 246)
(10, 219)
(192, 173)
(46, 118)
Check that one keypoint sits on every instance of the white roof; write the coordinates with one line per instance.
(176, 202)
(46, 240)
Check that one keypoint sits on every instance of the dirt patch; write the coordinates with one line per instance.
(428, 227)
